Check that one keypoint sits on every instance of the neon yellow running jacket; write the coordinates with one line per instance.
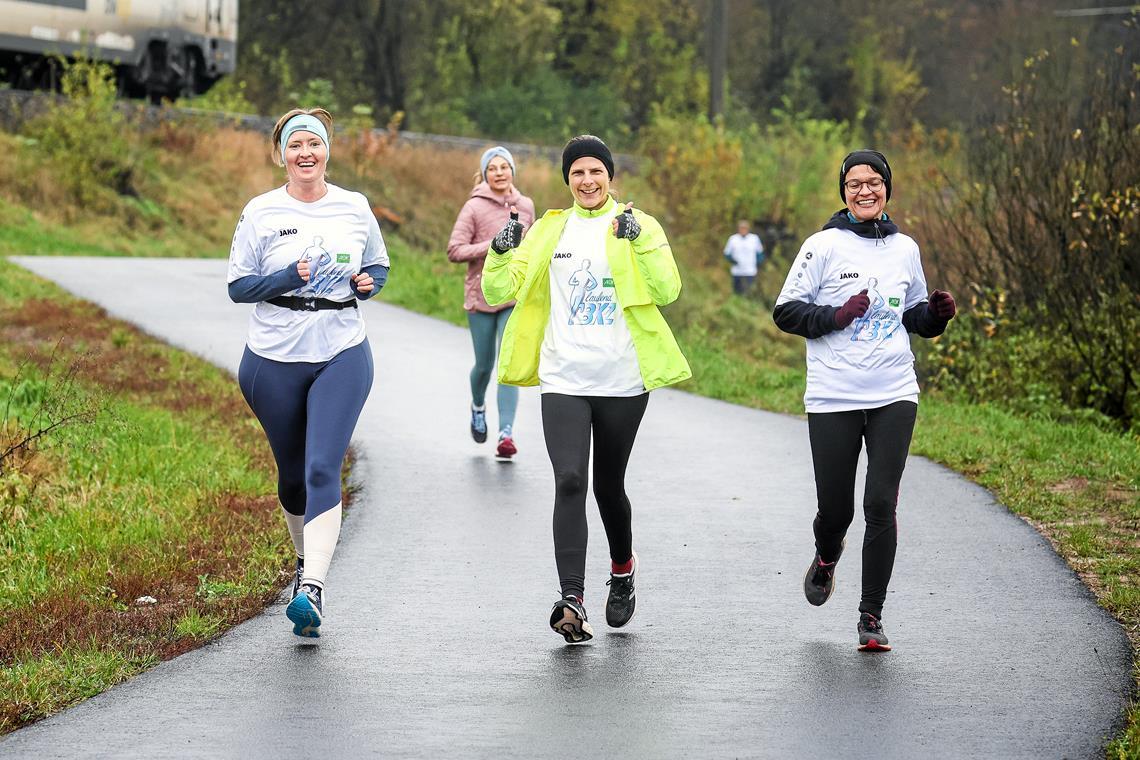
(645, 277)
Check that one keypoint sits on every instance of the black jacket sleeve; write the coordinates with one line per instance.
(807, 319)
(919, 320)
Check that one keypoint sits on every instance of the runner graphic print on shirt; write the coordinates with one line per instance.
(587, 348)
(880, 322)
(586, 306)
(323, 273)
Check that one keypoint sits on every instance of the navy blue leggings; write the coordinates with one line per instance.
(308, 411)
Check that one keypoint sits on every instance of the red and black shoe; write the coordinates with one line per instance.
(871, 635)
(506, 448)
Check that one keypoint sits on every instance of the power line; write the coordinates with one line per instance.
(1112, 10)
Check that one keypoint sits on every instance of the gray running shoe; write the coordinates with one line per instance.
(479, 424)
(871, 635)
(568, 618)
(819, 580)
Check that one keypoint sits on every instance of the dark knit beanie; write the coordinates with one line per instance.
(585, 145)
(871, 158)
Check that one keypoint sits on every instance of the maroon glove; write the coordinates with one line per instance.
(855, 307)
(941, 305)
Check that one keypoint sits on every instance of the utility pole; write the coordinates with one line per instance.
(718, 43)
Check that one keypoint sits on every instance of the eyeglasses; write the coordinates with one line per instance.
(854, 185)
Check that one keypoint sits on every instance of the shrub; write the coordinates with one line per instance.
(1051, 219)
(779, 176)
(536, 110)
(227, 96)
(83, 137)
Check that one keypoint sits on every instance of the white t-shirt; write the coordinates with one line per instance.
(338, 235)
(743, 250)
(587, 349)
(869, 364)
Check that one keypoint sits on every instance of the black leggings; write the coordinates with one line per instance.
(836, 438)
(566, 424)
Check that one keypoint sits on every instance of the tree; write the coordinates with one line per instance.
(1050, 220)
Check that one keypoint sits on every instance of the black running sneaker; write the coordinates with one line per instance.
(568, 618)
(305, 611)
(871, 635)
(819, 580)
(621, 602)
(297, 575)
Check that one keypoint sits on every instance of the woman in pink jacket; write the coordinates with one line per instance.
(482, 216)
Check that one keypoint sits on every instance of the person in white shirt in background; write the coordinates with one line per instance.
(745, 251)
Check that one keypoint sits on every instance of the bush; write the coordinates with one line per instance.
(227, 96)
(1050, 219)
(536, 111)
(83, 137)
(780, 176)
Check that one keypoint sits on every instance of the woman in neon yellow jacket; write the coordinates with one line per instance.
(586, 328)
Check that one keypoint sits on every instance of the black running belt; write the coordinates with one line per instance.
(311, 304)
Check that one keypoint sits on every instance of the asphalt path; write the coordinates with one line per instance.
(436, 640)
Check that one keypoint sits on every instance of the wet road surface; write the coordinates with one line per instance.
(436, 639)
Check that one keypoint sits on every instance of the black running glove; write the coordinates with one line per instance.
(627, 226)
(510, 236)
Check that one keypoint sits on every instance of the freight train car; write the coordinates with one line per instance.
(159, 48)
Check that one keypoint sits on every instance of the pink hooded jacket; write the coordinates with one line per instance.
(480, 219)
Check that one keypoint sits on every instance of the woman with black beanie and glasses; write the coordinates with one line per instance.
(856, 291)
(587, 282)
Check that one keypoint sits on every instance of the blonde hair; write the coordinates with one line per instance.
(319, 113)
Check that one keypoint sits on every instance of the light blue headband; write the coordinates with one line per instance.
(490, 153)
(306, 123)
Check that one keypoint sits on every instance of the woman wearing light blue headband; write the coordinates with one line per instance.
(306, 253)
(480, 219)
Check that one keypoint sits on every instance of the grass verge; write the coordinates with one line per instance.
(156, 495)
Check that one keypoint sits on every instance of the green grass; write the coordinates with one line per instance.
(47, 684)
(425, 283)
(25, 234)
(201, 626)
(155, 492)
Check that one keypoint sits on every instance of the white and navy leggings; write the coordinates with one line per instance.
(308, 411)
(836, 438)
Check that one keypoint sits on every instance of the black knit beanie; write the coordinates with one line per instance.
(871, 158)
(585, 145)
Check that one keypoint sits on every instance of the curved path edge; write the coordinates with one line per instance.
(437, 641)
